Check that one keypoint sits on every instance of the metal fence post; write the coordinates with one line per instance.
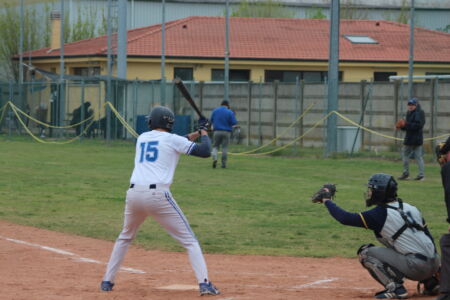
(302, 100)
(249, 111)
(275, 108)
(82, 110)
(259, 112)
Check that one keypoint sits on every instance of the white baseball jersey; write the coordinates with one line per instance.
(157, 155)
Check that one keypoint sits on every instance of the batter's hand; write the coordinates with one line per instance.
(204, 124)
(327, 191)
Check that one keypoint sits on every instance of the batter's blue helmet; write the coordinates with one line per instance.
(161, 117)
(382, 189)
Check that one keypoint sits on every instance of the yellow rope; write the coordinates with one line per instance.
(384, 135)
(44, 141)
(293, 141)
(122, 120)
(48, 125)
(282, 134)
(365, 128)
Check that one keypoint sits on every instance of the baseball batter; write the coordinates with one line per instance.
(157, 154)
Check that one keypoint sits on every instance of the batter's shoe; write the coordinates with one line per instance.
(399, 293)
(106, 286)
(403, 177)
(207, 288)
(419, 177)
(214, 164)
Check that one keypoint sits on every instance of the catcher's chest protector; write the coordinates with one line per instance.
(445, 264)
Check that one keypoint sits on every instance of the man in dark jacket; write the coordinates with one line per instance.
(412, 144)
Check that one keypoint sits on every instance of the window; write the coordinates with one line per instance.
(291, 76)
(183, 73)
(234, 75)
(360, 39)
(86, 71)
(383, 76)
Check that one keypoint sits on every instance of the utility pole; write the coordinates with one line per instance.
(227, 52)
(109, 68)
(122, 41)
(333, 78)
(411, 52)
(163, 54)
(62, 92)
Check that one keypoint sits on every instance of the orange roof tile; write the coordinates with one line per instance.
(272, 39)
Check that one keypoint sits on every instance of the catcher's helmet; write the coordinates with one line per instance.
(161, 117)
(382, 188)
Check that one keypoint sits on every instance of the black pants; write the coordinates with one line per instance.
(445, 175)
(445, 264)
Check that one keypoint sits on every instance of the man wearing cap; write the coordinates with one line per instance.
(222, 120)
(412, 144)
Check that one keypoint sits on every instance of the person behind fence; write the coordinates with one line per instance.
(443, 157)
(413, 141)
(222, 120)
(77, 116)
(41, 115)
(409, 250)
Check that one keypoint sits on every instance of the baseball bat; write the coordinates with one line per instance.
(183, 90)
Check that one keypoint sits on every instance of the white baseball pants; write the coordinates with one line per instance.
(141, 202)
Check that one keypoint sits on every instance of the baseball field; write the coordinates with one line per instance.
(61, 209)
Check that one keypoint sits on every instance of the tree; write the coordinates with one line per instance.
(37, 29)
(445, 29)
(350, 11)
(315, 13)
(36, 35)
(262, 9)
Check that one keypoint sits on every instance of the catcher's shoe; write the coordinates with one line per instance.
(106, 286)
(443, 297)
(207, 288)
(399, 293)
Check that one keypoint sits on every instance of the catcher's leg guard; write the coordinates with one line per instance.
(385, 274)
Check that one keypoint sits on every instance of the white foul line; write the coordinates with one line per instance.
(306, 285)
(73, 255)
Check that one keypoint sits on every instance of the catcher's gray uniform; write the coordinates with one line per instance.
(411, 254)
(410, 251)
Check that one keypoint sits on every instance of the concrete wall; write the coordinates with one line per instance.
(266, 110)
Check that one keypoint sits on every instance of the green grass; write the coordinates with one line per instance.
(259, 205)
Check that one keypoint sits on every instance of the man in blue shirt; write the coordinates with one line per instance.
(409, 250)
(222, 120)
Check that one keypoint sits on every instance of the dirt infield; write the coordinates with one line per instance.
(40, 264)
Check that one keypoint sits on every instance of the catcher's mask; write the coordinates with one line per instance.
(161, 117)
(381, 188)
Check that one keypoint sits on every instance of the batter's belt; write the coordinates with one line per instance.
(153, 186)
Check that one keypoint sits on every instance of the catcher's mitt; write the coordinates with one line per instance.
(442, 159)
(327, 191)
(400, 124)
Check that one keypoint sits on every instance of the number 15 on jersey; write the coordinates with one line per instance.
(149, 151)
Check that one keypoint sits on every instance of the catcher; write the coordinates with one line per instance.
(409, 250)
